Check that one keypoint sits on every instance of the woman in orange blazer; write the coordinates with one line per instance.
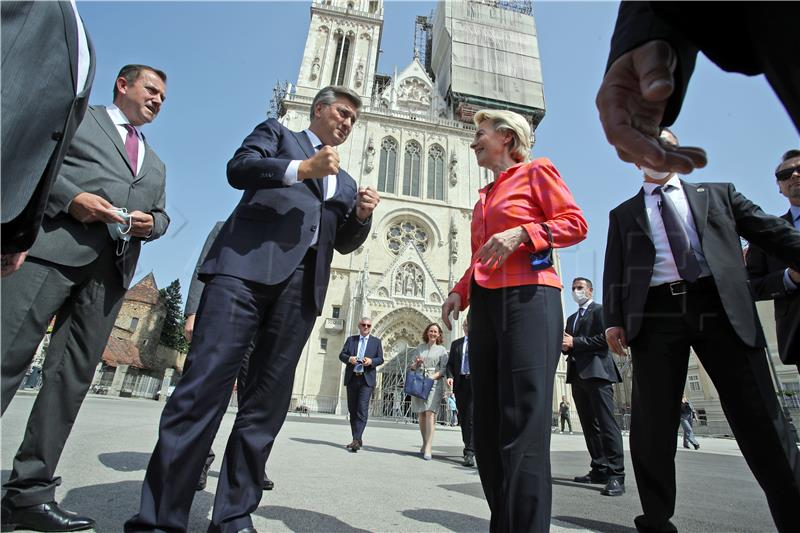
(516, 318)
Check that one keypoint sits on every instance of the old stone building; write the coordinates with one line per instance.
(134, 363)
(411, 143)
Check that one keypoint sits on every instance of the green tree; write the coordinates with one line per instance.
(172, 332)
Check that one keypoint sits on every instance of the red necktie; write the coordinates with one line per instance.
(132, 147)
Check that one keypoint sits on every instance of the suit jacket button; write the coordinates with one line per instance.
(57, 135)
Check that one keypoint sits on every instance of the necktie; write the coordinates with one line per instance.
(577, 318)
(362, 347)
(132, 147)
(685, 261)
(465, 359)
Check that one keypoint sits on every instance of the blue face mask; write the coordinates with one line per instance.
(121, 233)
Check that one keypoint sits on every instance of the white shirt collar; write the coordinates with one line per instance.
(586, 304)
(119, 118)
(674, 181)
(313, 138)
(795, 211)
(364, 337)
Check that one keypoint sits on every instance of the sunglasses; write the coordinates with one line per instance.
(365, 325)
(787, 173)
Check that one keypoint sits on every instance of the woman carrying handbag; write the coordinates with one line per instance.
(430, 359)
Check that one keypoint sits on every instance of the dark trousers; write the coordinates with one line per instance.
(594, 400)
(671, 325)
(86, 301)
(232, 311)
(565, 420)
(463, 391)
(515, 344)
(358, 395)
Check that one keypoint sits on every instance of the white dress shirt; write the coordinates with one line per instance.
(581, 313)
(664, 269)
(120, 120)
(84, 58)
(328, 182)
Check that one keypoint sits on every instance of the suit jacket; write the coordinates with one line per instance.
(374, 351)
(196, 285)
(721, 215)
(762, 42)
(766, 278)
(270, 230)
(40, 109)
(589, 357)
(453, 367)
(97, 163)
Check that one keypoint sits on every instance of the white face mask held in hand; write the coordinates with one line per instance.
(121, 232)
(579, 295)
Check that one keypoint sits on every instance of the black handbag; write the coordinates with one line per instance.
(544, 259)
(417, 385)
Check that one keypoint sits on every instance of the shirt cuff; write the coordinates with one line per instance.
(290, 176)
(787, 281)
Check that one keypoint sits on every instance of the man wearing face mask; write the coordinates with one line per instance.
(674, 280)
(107, 200)
(771, 278)
(592, 372)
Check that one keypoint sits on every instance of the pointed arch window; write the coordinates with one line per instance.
(387, 168)
(340, 60)
(436, 172)
(411, 169)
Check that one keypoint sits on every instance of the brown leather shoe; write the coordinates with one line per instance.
(353, 446)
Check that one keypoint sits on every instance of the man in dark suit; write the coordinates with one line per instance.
(82, 263)
(653, 53)
(773, 279)
(265, 281)
(190, 313)
(674, 279)
(459, 379)
(362, 354)
(592, 373)
(47, 74)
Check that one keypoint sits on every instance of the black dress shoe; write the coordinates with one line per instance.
(201, 483)
(614, 487)
(592, 477)
(696, 446)
(469, 460)
(644, 525)
(268, 483)
(43, 517)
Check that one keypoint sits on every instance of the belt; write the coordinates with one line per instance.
(677, 288)
(465, 376)
(358, 373)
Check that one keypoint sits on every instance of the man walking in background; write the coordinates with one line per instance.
(592, 373)
(361, 354)
(459, 379)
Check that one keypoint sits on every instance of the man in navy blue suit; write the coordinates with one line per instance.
(362, 353)
(265, 281)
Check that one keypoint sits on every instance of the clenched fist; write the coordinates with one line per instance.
(366, 202)
(323, 163)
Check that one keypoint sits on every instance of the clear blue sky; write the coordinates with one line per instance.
(223, 58)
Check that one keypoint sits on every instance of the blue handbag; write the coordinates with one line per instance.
(544, 259)
(417, 385)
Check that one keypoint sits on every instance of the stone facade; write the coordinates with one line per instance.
(141, 318)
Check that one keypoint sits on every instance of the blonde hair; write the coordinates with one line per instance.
(502, 120)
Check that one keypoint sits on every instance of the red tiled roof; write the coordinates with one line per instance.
(145, 291)
(121, 352)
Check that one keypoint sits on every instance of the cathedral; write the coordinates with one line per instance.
(411, 143)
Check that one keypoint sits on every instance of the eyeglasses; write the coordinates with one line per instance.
(786, 173)
(365, 325)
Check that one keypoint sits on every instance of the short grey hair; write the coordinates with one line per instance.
(328, 95)
(503, 120)
(363, 318)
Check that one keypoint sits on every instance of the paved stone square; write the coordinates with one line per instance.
(321, 487)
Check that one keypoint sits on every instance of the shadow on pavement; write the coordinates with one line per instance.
(305, 520)
(570, 483)
(448, 519)
(595, 525)
(110, 504)
(470, 489)
(366, 448)
(125, 461)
